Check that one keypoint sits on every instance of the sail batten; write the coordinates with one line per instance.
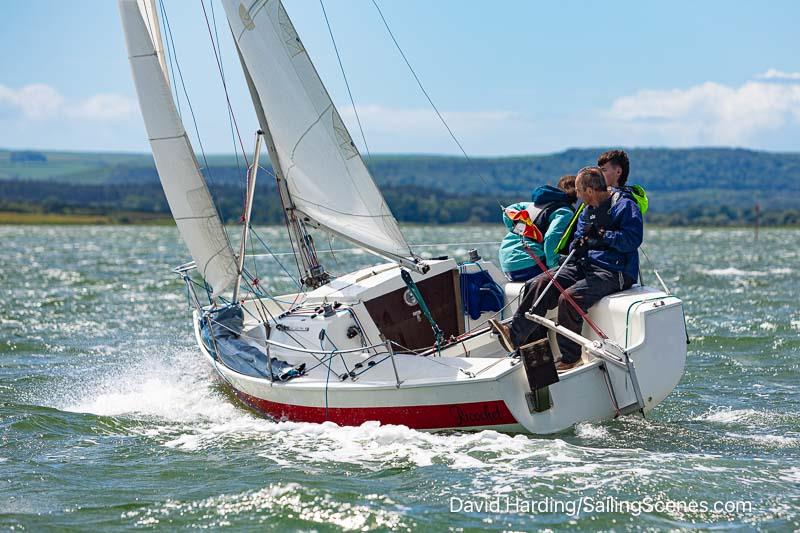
(184, 186)
(325, 175)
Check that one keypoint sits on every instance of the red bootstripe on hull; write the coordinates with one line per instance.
(457, 415)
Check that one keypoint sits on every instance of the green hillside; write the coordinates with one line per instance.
(65, 167)
(707, 186)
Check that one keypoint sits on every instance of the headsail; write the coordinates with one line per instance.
(183, 183)
(326, 177)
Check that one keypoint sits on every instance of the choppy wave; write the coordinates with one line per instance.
(781, 441)
(754, 417)
(588, 430)
(174, 389)
(273, 504)
(111, 419)
(727, 415)
(737, 272)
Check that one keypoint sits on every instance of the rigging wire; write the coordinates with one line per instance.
(346, 83)
(264, 244)
(251, 244)
(655, 271)
(430, 101)
(207, 168)
(350, 94)
(434, 245)
(289, 231)
(171, 66)
(224, 84)
(230, 114)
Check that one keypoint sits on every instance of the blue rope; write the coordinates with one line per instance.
(328, 376)
(336, 349)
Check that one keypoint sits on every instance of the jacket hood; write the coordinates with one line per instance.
(547, 194)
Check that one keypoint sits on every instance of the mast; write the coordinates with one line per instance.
(248, 210)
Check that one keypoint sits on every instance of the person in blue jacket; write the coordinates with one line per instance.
(547, 215)
(616, 167)
(606, 260)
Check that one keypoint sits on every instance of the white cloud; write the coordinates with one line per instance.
(103, 107)
(775, 74)
(35, 101)
(709, 113)
(39, 102)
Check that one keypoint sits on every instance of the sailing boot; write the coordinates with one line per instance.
(563, 367)
(503, 334)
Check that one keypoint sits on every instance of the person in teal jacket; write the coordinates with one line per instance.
(540, 224)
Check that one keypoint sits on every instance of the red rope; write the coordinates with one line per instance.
(564, 293)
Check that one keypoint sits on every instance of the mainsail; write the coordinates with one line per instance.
(325, 174)
(183, 183)
(149, 12)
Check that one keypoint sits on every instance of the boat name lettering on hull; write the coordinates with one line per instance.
(482, 416)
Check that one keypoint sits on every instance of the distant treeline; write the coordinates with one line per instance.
(695, 177)
(27, 156)
(408, 203)
(709, 186)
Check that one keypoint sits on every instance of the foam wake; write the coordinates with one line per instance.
(177, 388)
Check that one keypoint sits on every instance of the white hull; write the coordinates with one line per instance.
(473, 384)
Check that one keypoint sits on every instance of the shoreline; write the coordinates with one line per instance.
(16, 218)
(11, 218)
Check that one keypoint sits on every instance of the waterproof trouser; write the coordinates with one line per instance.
(586, 283)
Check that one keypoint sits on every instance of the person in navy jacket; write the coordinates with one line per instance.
(606, 260)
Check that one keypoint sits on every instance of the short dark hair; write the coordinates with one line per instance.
(567, 184)
(592, 178)
(618, 158)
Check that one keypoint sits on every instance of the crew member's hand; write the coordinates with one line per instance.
(594, 232)
(593, 243)
(579, 246)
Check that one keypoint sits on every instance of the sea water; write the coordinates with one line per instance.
(111, 420)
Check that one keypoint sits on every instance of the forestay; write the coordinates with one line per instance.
(183, 183)
(325, 174)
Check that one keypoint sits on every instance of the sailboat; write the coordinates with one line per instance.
(392, 342)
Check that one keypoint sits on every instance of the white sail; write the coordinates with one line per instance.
(149, 12)
(326, 177)
(183, 183)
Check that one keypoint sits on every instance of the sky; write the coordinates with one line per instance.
(510, 77)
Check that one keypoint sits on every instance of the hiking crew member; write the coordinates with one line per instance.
(539, 225)
(616, 167)
(607, 238)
